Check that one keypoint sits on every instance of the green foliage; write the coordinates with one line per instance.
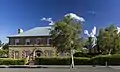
(66, 35)
(114, 59)
(79, 54)
(3, 53)
(8, 61)
(0, 42)
(110, 59)
(100, 60)
(5, 47)
(52, 61)
(108, 41)
(89, 55)
(62, 61)
(97, 60)
(82, 61)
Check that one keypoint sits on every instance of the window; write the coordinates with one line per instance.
(50, 53)
(27, 41)
(16, 54)
(12, 54)
(17, 41)
(38, 41)
(27, 53)
(49, 41)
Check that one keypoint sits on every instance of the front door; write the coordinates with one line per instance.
(38, 53)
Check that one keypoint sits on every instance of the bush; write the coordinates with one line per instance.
(110, 59)
(52, 61)
(97, 60)
(62, 61)
(90, 55)
(82, 61)
(114, 59)
(8, 61)
(3, 53)
(100, 59)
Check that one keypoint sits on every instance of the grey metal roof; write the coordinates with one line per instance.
(37, 31)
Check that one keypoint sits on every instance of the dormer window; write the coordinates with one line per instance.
(17, 41)
(27, 41)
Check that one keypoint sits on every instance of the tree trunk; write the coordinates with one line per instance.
(110, 52)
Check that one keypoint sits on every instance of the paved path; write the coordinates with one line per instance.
(80, 69)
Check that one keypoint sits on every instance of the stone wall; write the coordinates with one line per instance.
(46, 51)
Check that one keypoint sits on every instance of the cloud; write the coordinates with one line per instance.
(48, 19)
(94, 30)
(86, 32)
(76, 17)
(118, 30)
(92, 12)
(92, 34)
(72, 15)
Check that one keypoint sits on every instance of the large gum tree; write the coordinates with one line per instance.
(66, 34)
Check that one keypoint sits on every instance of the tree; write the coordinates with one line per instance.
(0, 42)
(108, 40)
(66, 34)
(5, 47)
(3, 53)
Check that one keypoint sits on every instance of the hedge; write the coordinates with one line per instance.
(114, 59)
(110, 59)
(82, 61)
(97, 60)
(9, 61)
(62, 61)
(100, 59)
(90, 55)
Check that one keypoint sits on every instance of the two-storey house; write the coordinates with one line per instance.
(34, 42)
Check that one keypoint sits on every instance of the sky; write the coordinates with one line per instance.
(26, 14)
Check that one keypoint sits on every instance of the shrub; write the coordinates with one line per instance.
(114, 59)
(90, 55)
(3, 53)
(8, 61)
(97, 60)
(100, 59)
(61, 61)
(82, 61)
(110, 59)
(52, 61)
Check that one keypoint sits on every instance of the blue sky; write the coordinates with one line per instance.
(26, 14)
